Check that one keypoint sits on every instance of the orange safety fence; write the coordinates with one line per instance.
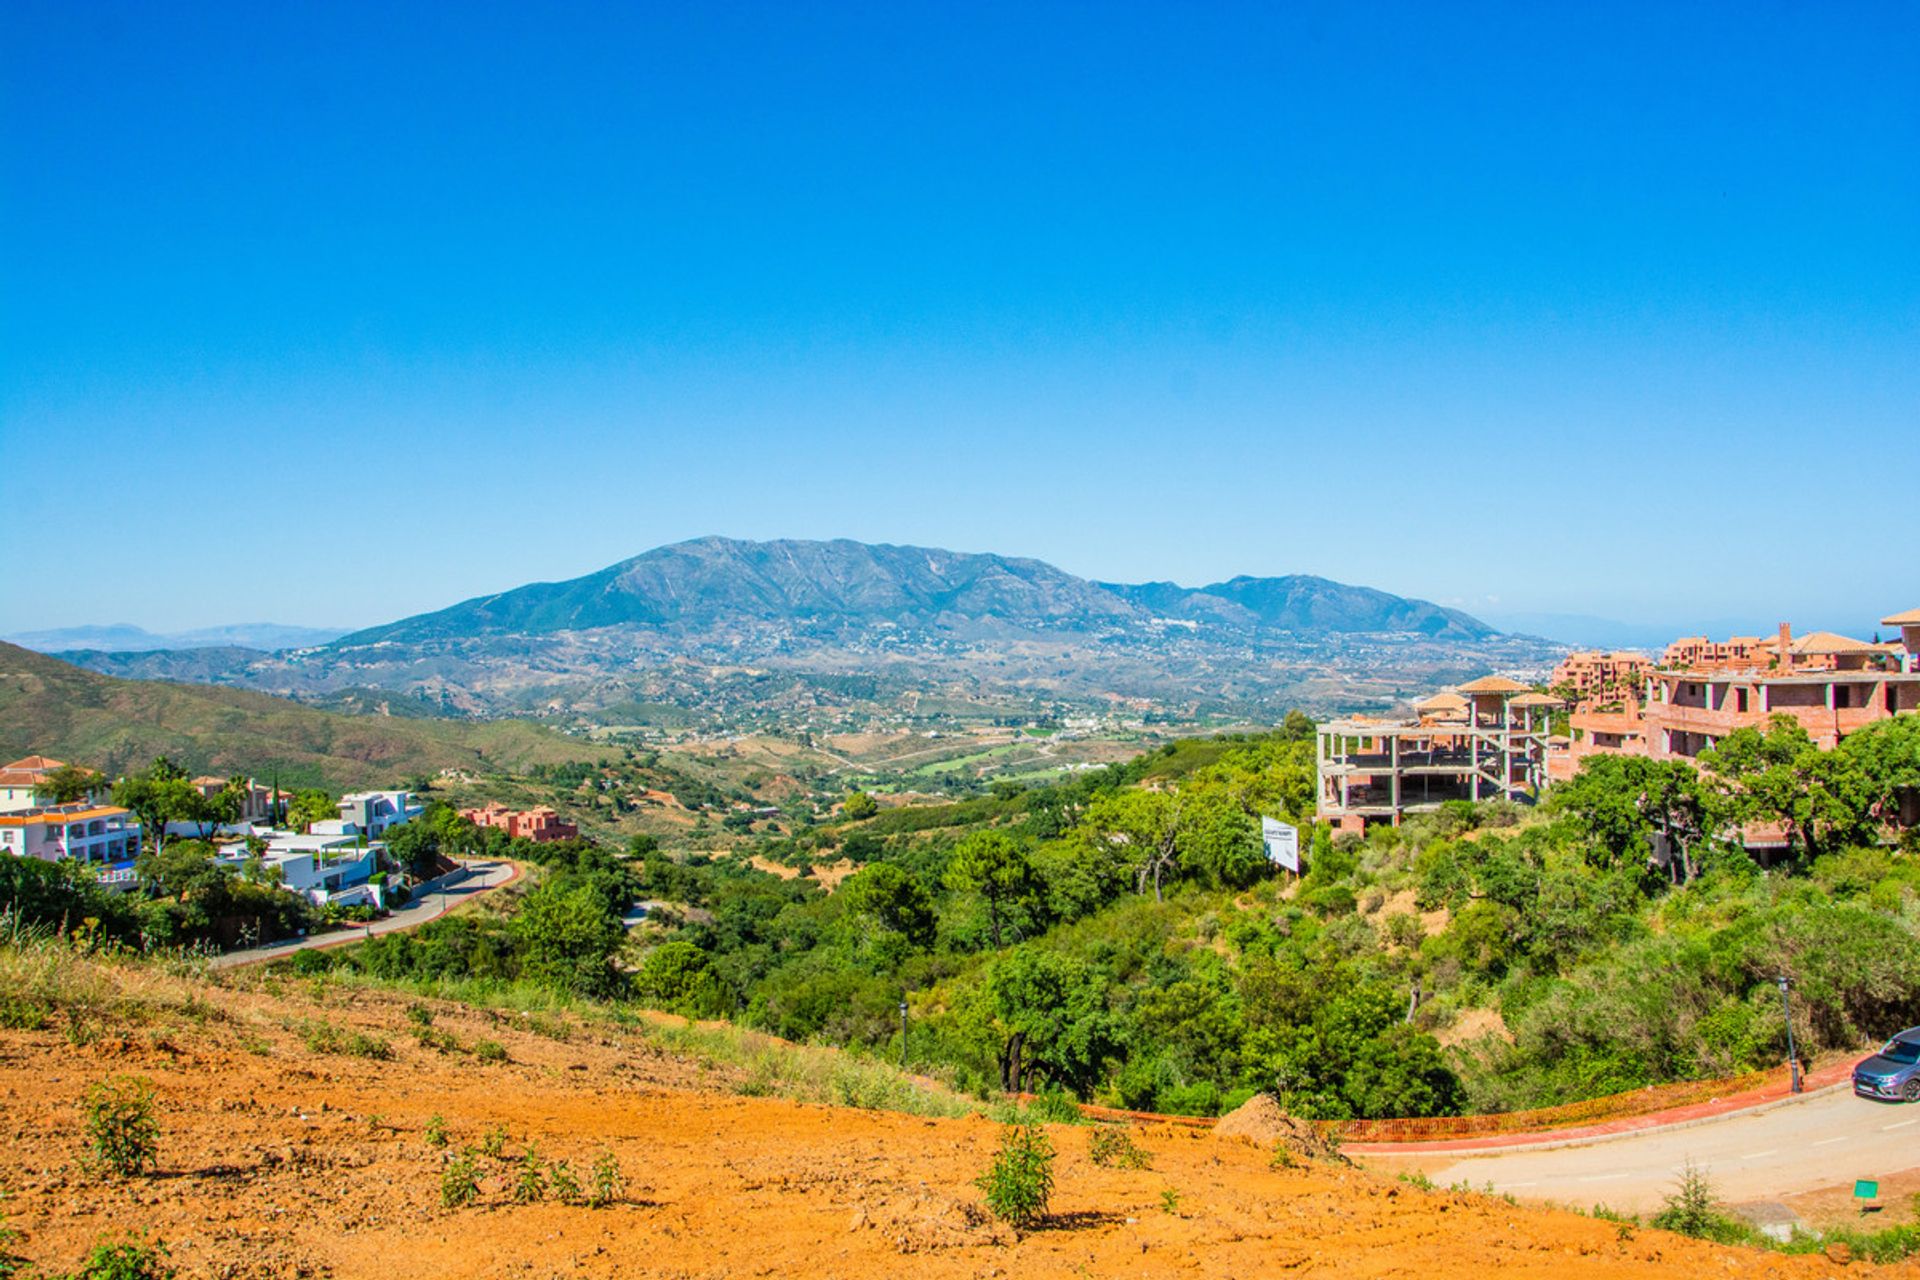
(1618, 1106)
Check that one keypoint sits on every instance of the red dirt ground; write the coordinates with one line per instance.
(277, 1161)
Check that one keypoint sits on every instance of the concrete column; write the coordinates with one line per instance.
(1394, 758)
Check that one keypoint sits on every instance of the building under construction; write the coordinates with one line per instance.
(1486, 741)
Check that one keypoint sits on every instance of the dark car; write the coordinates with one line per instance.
(1894, 1072)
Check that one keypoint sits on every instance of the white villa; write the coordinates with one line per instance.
(100, 834)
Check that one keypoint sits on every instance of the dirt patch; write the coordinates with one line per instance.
(278, 1160)
(773, 868)
(1471, 1025)
(830, 875)
(1260, 1120)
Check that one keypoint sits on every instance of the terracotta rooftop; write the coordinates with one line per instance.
(1820, 642)
(1537, 700)
(1493, 684)
(1911, 618)
(34, 764)
(1442, 702)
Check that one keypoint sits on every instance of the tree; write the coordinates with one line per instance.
(157, 796)
(859, 805)
(1886, 757)
(679, 977)
(70, 783)
(1779, 775)
(309, 807)
(998, 868)
(1626, 805)
(886, 898)
(1050, 1013)
(1147, 823)
(568, 936)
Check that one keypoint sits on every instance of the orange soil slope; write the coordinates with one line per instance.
(279, 1161)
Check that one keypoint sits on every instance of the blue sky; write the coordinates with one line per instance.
(331, 313)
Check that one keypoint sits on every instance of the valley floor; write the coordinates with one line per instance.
(280, 1161)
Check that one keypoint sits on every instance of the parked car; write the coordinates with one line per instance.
(1894, 1072)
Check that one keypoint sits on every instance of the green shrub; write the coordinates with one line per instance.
(605, 1183)
(436, 1132)
(1116, 1149)
(1019, 1182)
(123, 1138)
(489, 1051)
(20, 1013)
(1693, 1210)
(460, 1181)
(419, 1015)
(126, 1260)
(561, 1183)
(531, 1186)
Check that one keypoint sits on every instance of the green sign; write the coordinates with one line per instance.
(1865, 1190)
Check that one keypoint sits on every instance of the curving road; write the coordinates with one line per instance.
(1818, 1140)
(433, 899)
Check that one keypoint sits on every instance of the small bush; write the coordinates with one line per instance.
(436, 1132)
(123, 1138)
(489, 1051)
(604, 1184)
(494, 1142)
(126, 1260)
(321, 1036)
(1116, 1149)
(18, 1013)
(1170, 1201)
(1693, 1210)
(561, 1183)
(531, 1186)
(1019, 1183)
(419, 1015)
(460, 1181)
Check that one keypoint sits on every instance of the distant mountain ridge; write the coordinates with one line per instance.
(714, 581)
(123, 637)
(729, 628)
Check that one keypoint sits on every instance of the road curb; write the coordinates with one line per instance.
(1390, 1149)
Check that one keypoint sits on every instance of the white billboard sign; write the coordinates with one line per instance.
(1283, 843)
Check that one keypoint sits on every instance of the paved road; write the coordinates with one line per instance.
(1819, 1140)
(433, 900)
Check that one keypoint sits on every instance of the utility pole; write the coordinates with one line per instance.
(1793, 1054)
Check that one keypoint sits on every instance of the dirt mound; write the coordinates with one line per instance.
(1261, 1121)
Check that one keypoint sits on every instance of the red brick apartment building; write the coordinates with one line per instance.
(1598, 678)
(1831, 684)
(539, 825)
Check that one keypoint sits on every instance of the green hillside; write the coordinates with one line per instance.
(53, 708)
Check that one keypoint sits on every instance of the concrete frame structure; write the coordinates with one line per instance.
(1373, 771)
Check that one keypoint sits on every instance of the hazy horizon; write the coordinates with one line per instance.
(350, 315)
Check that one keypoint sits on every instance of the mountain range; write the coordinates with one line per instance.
(687, 624)
(124, 637)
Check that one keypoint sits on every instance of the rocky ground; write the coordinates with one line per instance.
(285, 1151)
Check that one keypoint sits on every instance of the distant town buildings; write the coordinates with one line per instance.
(1596, 678)
(539, 825)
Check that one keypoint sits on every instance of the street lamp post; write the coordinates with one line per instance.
(903, 1033)
(1793, 1054)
